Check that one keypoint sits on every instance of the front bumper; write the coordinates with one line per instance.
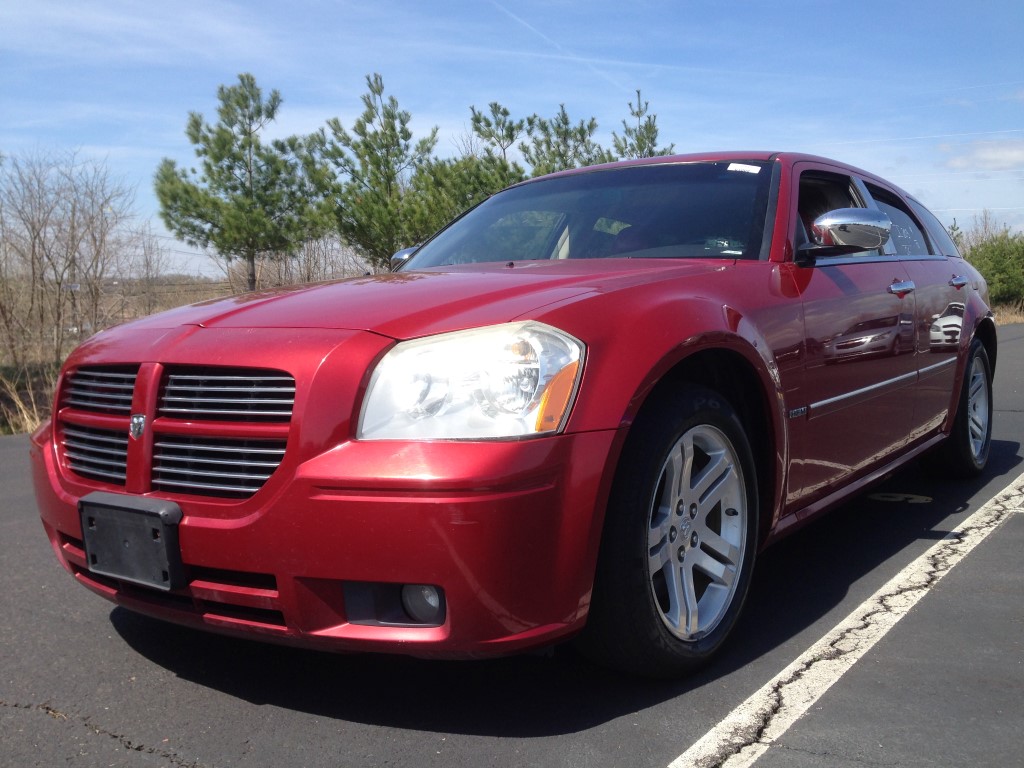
(508, 530)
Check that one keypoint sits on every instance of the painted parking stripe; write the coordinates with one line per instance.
(750, 729)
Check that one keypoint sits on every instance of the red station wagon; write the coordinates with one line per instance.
(581, 409)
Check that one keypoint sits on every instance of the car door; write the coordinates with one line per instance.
(860, 373)
(939, 273)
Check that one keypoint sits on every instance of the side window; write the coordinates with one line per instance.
(821, 192)
(938, 232)
(907, 238)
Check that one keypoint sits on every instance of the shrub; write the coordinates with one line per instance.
(1000, 258)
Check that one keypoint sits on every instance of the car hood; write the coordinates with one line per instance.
(419, 303)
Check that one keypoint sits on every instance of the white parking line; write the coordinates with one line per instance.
(750, 729)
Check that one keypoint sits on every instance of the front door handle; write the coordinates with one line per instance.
(958, 282)
(901, 287)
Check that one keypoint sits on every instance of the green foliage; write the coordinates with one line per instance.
(558, 144)
(443, 189)
(640, 140)
(1000, 258)
(374, 166)
(499, 130)
(957, 236)
(249, 198)
(376, 185)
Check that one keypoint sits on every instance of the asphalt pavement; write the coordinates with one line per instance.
(84, 683)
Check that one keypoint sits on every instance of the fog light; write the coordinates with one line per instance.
(423, 603)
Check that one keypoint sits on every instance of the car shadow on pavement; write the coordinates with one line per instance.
(797, 582)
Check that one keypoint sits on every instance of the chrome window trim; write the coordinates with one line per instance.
(842, 261)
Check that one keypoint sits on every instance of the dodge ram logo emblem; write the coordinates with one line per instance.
(138, 425)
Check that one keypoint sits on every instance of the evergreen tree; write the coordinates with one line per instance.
(249, 198)
(640, 140)
(957, 236)
(374, 164)
(1000, 258)
(444, 189)
(498, 130)
(558, 144)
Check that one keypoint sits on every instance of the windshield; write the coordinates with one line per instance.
(676, 211)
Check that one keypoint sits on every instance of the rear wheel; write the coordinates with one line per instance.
(680, 538)
(965, 452)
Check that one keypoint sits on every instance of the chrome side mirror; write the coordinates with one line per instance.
(859, 228)
(398, 258)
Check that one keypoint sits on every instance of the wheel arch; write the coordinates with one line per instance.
(732, 375)
(986, 334)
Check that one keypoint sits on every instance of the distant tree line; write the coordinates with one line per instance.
(373, 185)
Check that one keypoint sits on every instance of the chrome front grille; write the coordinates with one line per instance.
(214, 466)
(101, 390)
(95, 413)
(100, 454)
(218, 394)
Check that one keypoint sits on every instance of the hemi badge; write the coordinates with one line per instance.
(796, 413)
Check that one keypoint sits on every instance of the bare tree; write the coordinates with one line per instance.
(147, 264)
(984, 228)
(64, 225)
(326, 258)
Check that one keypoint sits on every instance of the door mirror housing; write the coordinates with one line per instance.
(398, 258)
(845, 231)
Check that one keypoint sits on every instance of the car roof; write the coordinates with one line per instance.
(787, 158)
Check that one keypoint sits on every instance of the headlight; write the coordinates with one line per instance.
(512, 380)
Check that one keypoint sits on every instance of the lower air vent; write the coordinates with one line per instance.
(99, 454)
(214, 466)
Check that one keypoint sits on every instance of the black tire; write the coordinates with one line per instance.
(675, 564)
(965, 452)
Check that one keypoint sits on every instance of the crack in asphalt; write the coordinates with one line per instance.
(757, 724)
(85, 722)
(833, 758)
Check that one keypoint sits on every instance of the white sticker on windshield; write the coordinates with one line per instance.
(743, 167)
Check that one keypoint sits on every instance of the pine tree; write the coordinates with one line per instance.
(558, 144)
(249, 198)
(373, 165)
(640, 140)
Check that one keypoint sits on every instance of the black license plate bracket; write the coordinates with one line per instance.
(132, 538)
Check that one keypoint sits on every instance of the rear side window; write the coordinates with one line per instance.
(906, 238)
(938, 232)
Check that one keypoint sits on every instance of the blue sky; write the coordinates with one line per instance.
(929, 95)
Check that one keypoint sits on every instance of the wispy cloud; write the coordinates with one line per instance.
(562, 51)
(119, 31)
(922, 137)
(990, 156)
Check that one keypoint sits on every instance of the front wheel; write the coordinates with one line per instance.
(679, 540)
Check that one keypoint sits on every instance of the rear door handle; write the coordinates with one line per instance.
(901, 287)
(958, 282)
